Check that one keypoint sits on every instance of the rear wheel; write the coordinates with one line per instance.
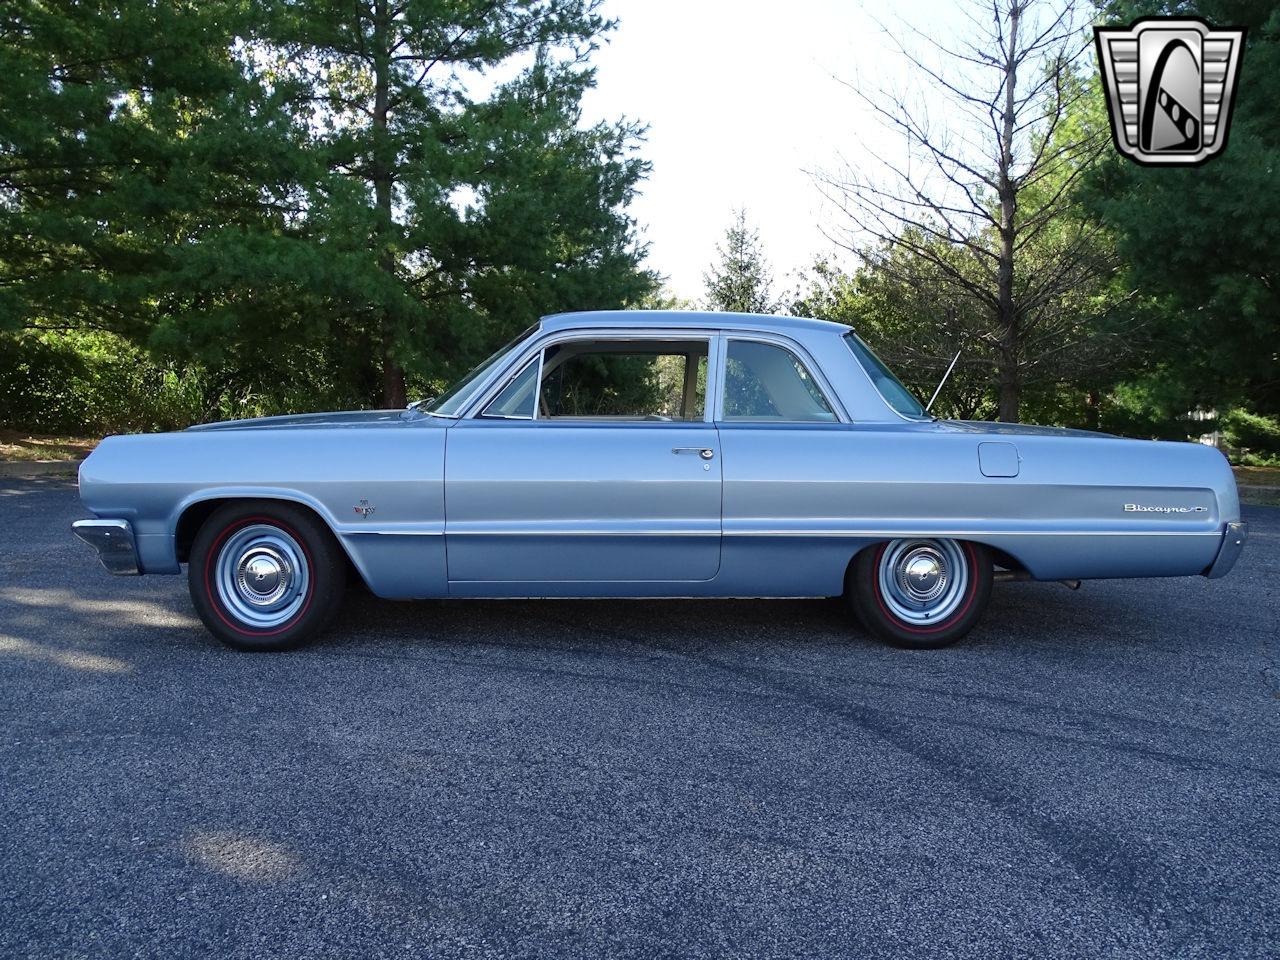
(265, 575)
(920, 593)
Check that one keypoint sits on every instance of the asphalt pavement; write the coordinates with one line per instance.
(1091, 774)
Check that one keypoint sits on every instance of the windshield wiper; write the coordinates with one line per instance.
(419, 406)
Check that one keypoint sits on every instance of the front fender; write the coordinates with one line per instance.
(379, 489)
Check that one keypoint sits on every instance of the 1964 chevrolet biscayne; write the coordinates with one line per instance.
(652, 454)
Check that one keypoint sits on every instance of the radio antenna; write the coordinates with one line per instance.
(943, 381)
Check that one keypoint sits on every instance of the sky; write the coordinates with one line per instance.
(742, 99)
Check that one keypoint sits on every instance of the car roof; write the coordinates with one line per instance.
(673, 319)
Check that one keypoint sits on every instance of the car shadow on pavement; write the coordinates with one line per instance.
(1018, 611)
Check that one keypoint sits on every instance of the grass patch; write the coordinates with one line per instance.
(1258, 476)
(1260, 499)
(17, 445)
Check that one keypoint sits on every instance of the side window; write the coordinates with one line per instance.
(767, 382)
(624, 380)
(517, 399)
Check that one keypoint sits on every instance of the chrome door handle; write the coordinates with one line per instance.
(706, 453)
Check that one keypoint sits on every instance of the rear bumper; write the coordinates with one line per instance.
(1233, 539)
(113, 539)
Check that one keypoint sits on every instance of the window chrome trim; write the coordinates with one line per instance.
(502, 386)
(475, 410)
(802, 356)
(866, 374)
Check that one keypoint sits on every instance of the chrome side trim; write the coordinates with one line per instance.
(482, 528)
(571, 532)
(887, 534)
(349, 532)
(430, 528)
(990, 532)
(113, 539)
(1233, 540)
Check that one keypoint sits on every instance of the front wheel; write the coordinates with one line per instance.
(920, 593)
(265, 575)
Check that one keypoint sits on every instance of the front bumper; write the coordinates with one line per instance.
(1233, 540)
(113, 539)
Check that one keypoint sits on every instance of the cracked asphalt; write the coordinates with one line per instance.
(1091, 774)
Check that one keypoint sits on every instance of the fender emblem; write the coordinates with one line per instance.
(364, 509)
(1139, 508)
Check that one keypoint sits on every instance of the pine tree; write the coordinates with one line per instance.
(741, 280)
(1203, 240)
(308, 197)
(480, 206)
(127, 132)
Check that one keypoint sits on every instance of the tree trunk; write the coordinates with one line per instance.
(1010, 386)
(393, 391)
(1093, 410)
(1007, 319)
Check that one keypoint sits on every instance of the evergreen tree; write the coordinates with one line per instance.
(128, 132)
(1202, 240)
(741, 280)
(472, 207)
(308, 196)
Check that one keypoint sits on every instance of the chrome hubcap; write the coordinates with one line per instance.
(262, 576)
(923, 581)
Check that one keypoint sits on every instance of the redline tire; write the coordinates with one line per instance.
(265, 575)
(920, 593)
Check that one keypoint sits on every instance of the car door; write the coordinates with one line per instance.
(785, 449)
(596, 462)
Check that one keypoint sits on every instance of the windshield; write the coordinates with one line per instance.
(450, 402)
(890, 387)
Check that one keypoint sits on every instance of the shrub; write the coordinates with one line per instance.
(92, 384)
(1253, 439)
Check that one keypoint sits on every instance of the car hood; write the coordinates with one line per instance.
(1019, 429)
(297, 421)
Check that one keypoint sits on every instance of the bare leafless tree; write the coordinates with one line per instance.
(992, 179)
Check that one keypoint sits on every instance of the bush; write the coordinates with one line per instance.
(1254, 439)
(91, 384)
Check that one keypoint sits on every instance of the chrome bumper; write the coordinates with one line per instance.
(1232, 543)
(113, 539)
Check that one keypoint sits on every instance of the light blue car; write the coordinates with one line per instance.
(652, 454)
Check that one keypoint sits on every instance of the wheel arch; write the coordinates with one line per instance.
(193, 513)
(934, 611)
(999, 556)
